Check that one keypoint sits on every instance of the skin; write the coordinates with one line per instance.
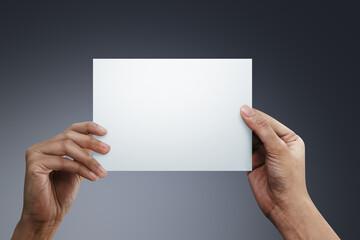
(52, 181)
(277, 180)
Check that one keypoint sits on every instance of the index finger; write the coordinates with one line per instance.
(261, 127)
(280, 129)
(88, 128)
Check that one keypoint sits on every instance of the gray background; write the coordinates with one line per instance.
(305, 61)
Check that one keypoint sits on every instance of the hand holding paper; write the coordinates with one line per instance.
(52, 180)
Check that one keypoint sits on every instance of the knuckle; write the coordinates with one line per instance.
(30, 154)
(261, 123)
(67, 134)
(72, 126)
(89, 124)
(63, 163)
(301, 141)
(77, 167)
(86, 158)
(291, 137)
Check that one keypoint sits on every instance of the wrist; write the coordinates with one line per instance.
(292, 220)
(301, 220)
(27, 229)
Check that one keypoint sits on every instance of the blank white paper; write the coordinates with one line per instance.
(173, 114)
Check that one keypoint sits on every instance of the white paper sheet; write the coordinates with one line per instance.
(173, 114)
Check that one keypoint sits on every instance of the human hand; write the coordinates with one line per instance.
(278, 179)
(52, 180)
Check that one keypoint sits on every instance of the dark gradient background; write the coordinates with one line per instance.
(305, 73)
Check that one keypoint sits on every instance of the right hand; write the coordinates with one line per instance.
(52, 180)
(278, 175)
(278, 179)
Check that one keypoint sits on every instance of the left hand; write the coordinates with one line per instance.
(52, 180)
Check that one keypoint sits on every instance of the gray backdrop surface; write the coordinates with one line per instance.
(305, 73)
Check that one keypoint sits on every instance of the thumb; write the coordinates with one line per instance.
(259, 124)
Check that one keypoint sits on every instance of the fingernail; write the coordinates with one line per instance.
(104, 145)
(101, 169)
(247, 111)
(101, 128)
(94, 176)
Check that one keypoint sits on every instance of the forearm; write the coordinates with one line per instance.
(27, 230)
(302, 222)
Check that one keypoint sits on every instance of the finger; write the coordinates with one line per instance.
(261, 127)
(281, 130)
(87, 141)
(88, 128)
(83, 127)
(258, 159)
(64, 164)
(71, 149)
(255, 142)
